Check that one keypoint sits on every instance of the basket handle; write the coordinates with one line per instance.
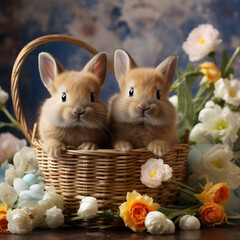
(18, 65)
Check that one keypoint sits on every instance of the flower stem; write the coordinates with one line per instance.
(13, 123)
(227, 68)
(182, 185)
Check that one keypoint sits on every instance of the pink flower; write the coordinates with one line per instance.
(154, 172)
(9, 145)
(201, 41)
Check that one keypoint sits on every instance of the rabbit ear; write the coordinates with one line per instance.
(49, 67)
(123, 62)
(167, 69)
(98, 66)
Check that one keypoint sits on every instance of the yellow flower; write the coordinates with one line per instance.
(218, 193)
(135, 209)
(3, 220)
(211, 72)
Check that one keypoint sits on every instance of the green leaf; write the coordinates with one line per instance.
(225, 60)
(186, 107)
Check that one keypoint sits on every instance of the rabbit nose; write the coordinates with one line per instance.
(78, 112)
(143, 108)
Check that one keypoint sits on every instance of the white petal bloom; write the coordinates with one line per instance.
(201, 41)
(154, 172)
(8, 194)
(3, 96)
(54, 217)
(19, 221)
(188, 222)
(228, 90)
(88, 208)
(51, 199)
(199, 133)
(157, 223)
(222, 124)
(217, 167)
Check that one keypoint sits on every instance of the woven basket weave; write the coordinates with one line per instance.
(105, 173)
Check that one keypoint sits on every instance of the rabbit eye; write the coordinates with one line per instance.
(64, 97)
(92, 97)
(158, 94)
(131, 92)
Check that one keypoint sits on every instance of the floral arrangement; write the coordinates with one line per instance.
(213, 117)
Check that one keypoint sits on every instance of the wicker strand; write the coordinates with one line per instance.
(18, 65)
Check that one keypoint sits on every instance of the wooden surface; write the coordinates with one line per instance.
(217, 233)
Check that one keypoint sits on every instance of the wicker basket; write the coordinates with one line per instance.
(105, 173)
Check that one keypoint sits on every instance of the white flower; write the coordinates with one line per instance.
(3, 96)
(9, 145)
(54, 217)
(222, 124)
(217, 167)
(199, 133)
(157, 223)
(88, 208)
(201, 41)
(8, 194)
(228, 90)
(188, 222)
(51, 199)
(154, 172)
(19, 221)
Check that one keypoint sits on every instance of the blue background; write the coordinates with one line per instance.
(150, 30)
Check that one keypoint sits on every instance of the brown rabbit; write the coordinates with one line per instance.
(140, 115)
(74, 114)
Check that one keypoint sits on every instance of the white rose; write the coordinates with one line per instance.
(157, 223)
(189, 222)
(199, 133)
(88, 208)
(19, 221)
(3, 96)
(54, 217)
(228, 90)
(51, 199)
(8, 194)
(9, 145)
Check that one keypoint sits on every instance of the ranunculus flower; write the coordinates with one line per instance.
(54, 217)
(157, 223)
(228, 90)
(222, 124)
(3, 220)
(154, 172)
(3, 96)
(19, 221)
(211, 72)
(188, 222)
(51, 199)
(135, 209)
(219, 193)
(217, 167)
(88, 207)
(8, 194)
(212, 214)
(201, 41)
(199, 133)
(9, 145)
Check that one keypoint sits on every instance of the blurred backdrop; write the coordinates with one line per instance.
(150, 30)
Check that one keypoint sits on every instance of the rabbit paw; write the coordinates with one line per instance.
(54, 149)
(158, 147)
(88, 146)
(124, 146)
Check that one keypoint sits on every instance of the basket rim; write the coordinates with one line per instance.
(17, 66)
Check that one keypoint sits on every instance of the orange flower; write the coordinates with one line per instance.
(219, 193)
(211, 72)
(135, 209)
(212, 214)
(3, 220)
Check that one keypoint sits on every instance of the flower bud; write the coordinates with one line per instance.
(189, 222)
(88, 208)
